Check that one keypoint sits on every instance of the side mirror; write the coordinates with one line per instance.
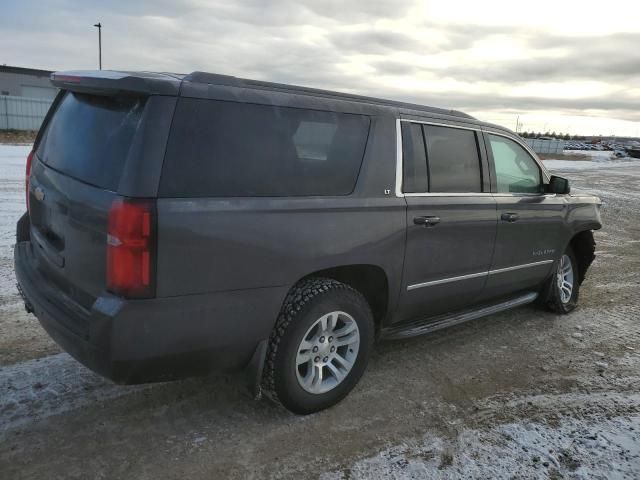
(558, 185)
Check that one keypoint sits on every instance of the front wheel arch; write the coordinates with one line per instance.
(583, 245)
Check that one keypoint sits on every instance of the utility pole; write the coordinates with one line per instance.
(517, 123)
(99, 25)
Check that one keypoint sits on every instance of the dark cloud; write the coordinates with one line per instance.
(388, 66)
(358, 11)
(372, 41)
(462, 37)
(602, 58)
(622, 106)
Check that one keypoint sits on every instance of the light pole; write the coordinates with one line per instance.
(99, 25)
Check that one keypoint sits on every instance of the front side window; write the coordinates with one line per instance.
(516, 170)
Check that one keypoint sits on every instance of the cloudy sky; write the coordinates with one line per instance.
(568, 66)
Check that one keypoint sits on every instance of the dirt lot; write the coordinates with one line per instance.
(524, 394)
(17, 137)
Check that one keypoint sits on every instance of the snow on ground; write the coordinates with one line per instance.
(553, 164)
(12, 196)
(52, 385)
(12, 200)
(578, 449)
(58, 417)
(597, 159)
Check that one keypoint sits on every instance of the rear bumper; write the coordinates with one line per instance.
(135, 341)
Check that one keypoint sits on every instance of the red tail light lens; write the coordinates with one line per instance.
(27, 175)
(131, 248)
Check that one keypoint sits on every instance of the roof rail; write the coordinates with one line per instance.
(228, 80)
(212, 78)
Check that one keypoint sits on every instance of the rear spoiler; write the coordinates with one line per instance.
(109, 82)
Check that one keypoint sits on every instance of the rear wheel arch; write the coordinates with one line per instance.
(370, 280)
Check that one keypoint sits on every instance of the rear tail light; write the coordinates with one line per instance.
(131, 243)
(27, 175)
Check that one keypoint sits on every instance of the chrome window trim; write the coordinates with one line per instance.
(477, 275)
(545, 173)
(436, 124)
(479, 194)
(399, 160)
(448, 194)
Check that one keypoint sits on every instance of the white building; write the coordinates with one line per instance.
(25, 96)
(26, 82)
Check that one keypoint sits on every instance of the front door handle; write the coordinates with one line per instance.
(509, 217)
(426, 221)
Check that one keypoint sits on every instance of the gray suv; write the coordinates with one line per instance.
(178, 225)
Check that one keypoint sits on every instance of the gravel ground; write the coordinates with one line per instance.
(524, 394)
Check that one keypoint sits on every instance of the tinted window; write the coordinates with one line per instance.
(454, 164)
(89, 137)
(516, 170)
(414, 159)
(221, 149)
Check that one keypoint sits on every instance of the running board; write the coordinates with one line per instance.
(428, 325)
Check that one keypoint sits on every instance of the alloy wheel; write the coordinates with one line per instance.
(327, 352)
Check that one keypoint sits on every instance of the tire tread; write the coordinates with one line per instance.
(298, 297)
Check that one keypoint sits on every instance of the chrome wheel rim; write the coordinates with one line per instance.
(565, 278)
(327, 352)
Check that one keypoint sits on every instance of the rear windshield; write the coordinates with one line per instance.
(226, 149)
(89, 137)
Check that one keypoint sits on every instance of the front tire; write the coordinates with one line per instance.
(564, 284)
(320, 346)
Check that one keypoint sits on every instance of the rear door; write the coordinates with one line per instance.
(78, 168)
(530, 222)
(451, 218)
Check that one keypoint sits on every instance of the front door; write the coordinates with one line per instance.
(530, 222)
(451, 219)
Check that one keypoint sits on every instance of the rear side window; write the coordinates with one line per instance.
(226, 149)
(454, 164)
(440, 159)
(516, 170)
(89, 137)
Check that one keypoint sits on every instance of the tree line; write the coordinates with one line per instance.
(559, 136)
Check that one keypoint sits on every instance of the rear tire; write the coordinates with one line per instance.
(320, 346)
(564, 285)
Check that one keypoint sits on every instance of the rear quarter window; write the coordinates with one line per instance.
(89, 137)
(227, 149)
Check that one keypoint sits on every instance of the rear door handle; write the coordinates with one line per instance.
(509, 217)
(426, 221)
